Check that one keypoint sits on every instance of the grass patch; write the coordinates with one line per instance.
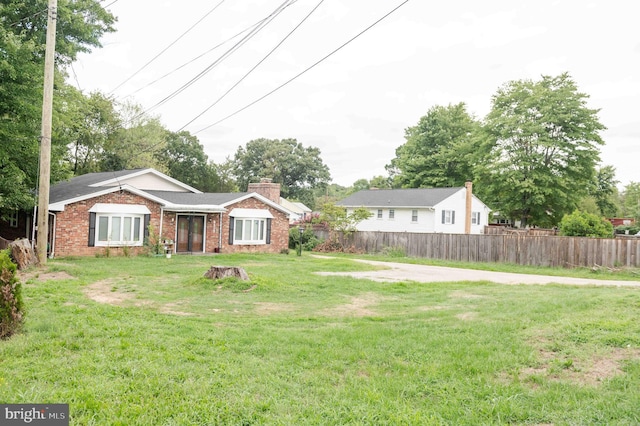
(139, 341)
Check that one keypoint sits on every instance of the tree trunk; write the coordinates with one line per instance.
(23, 254)
(218, 272)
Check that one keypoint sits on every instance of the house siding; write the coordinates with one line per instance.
(429, 219)
(72, 224)
(402, 221)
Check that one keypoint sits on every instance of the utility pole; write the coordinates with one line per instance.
(45, 136)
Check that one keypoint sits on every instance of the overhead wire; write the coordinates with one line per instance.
(305, 70)
(193, 59)
(224, 56)
(166, 48)
(254, 67)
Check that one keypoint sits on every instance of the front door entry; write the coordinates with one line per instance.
(190, 234)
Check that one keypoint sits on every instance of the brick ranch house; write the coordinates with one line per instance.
(114, 210)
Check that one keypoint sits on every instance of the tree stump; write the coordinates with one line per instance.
(218, 272)
(23, 254)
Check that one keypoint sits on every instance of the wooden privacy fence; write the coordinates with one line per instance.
(518, 249)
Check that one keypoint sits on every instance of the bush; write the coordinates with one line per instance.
(10, 297)
(309, 240)
(582, 224)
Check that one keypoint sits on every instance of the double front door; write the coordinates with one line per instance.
(190, 234)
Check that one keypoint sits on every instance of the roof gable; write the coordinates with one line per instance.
(146, 179)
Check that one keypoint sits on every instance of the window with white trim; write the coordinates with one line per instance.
(118, 229)
(13, 219)
(448, 217)
(475, 218)
(249, 230)
(392, 214)
(379, 213)
(414, 216)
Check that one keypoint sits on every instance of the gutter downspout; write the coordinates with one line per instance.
(53, 236)
(220, 234)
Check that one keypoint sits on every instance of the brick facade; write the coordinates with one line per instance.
(72, 224)
(279, 230)
(72, 227)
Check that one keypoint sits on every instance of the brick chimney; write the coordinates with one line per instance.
(267, 189)
(468, 200)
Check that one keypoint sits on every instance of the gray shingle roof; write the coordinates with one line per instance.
(415, 197)
(80, 185)
(188, 198)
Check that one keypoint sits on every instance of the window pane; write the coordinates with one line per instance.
(136, 229)
(238, 234)
(262, 230)
(103, 228)
(256, 229)
(115, 228)
(126, 229)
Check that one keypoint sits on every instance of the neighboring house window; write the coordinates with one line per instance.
(392, 214)
(119, 229)
(448, 217)
(414, 215)
(379, 213)
(475, 218)
(13, 219)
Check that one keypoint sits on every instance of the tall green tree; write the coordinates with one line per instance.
(81, 23)
(137, 144)
(605, 191)
(297, 168)
(92, 125)
(630, 199)
(543, 149)
(439, 151)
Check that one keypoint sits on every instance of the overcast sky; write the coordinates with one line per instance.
(355, 105)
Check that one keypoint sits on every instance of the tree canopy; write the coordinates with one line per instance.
(438, 151)
(297, 168)
(22, 45)
(543, 148)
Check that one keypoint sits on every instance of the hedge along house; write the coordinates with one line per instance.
(114, 210)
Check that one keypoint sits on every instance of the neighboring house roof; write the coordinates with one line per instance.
(415, 197)
(295, 207)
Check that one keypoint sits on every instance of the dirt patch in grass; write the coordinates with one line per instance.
(44, 276)
(467, 316)
(358, 307)
(171, 309)
(588, 372)
(266, 308)
(103, 292)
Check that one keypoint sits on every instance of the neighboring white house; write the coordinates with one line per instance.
(426, 210)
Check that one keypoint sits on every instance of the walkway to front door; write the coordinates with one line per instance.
(190, 234)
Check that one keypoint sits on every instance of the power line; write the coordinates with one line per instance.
(224, 56)
(15, 24)
(255, 66)
(194, 59)
(304, 71)
(166, 48)
(263, 23)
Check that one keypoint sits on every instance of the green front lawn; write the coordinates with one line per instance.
(148, 341)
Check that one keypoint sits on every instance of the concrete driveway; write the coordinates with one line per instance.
(423, 273)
